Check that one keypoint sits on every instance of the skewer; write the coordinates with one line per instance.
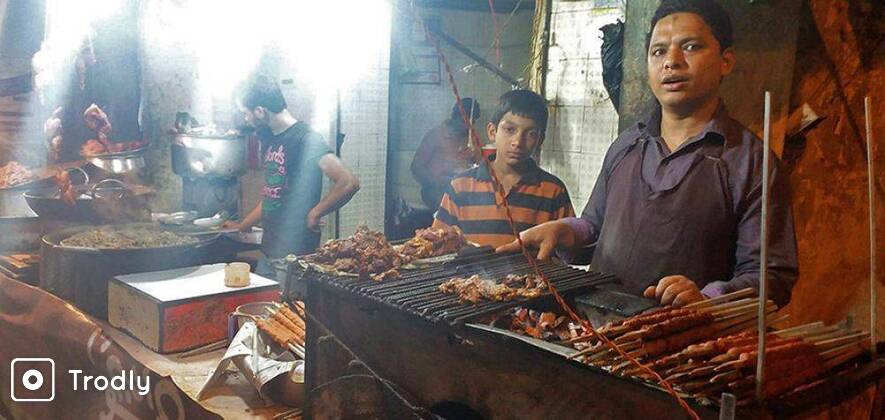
(763, 251)
(835, 342)
(204, 349)
(797, 330)
(720, 299)
(298, 350)
(728, 305)
(872, 200)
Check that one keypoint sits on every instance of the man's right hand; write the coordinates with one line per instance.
(546, 238)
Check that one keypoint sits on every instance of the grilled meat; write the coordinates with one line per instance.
(14, 173)
(366, 253)
(475, 289)
(432, 242)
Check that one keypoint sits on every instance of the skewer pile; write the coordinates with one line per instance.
(710, 347)
(794, 356)
(668, 330)
(286, 326)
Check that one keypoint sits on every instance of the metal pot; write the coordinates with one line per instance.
(81, 275)
(102, 202)
(208, 157)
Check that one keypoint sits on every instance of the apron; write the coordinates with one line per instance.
(686, 228)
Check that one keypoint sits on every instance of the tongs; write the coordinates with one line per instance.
(106, 188)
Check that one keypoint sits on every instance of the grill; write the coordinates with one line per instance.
(414, 337)
(417, 290)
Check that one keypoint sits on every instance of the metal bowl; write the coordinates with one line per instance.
(119, 162)
(208, 157)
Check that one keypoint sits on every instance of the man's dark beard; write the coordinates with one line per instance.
(264, 132)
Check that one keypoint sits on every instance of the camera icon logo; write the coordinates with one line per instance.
(32, 379)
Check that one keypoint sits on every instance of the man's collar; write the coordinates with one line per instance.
(651, 125)
(531, 175)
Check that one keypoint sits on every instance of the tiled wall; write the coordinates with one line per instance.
(583, 122)
(415, 108)
(364, 109)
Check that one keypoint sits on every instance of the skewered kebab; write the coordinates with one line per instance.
(286, 327)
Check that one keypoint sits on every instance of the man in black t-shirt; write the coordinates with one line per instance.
(295, 159)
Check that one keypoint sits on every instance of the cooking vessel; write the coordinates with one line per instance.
(107, 201)
(80, 275)
(119, 162)
(208, 157)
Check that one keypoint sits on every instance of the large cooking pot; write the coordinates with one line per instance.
(108, 201)
(197, 156)
(81, 275)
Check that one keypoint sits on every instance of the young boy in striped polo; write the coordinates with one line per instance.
(534, 195)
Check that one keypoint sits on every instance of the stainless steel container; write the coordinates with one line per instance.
(208, 157)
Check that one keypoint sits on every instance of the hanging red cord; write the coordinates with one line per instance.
(499, 189)
(496, 36)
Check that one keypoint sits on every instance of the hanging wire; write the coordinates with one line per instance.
(495, 33)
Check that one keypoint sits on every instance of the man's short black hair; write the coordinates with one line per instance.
(710, 11)
(524, 103)
(260, 90)
(469, 104)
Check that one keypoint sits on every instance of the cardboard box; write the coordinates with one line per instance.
(175, 310)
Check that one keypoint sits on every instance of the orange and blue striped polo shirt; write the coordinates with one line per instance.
(472, 204)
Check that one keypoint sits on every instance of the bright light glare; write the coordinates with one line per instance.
(68, 24)
(328, 44)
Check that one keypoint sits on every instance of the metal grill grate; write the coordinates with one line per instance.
(417, 290)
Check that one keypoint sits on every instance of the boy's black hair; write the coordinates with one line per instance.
(469, 103)
(524, 103)
(713, 14)
(260, 90)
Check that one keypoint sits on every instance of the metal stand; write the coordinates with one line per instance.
(763, 251)
(871, 192)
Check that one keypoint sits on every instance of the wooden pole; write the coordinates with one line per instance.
(871, 185)
(763, 250)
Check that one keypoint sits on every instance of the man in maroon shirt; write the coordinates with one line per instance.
(675, 212)
(443, 153)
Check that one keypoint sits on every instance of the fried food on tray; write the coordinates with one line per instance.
(432, 242)
(14, 173)
(476, 289)
(366, 253)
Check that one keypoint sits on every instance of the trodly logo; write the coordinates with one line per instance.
(32, 379)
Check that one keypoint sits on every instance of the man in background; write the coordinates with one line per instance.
(295, 158)
(444, 152)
